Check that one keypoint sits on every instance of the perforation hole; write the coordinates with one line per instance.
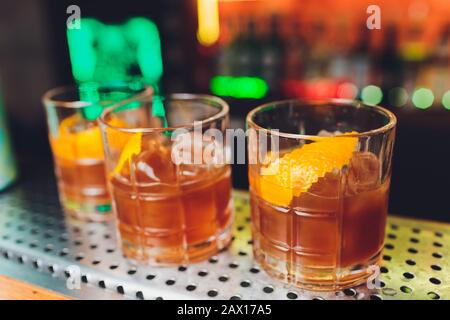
(140, 295)
(389, 246)
(170, 282)
(96, 261)
(233, 265)
(213, 259)
(405, 289)
(34, 244)
(213, 293)
(410, 262)
(392, 236)
(191, 287)
(433, 295)
(383, 269)
(150, 277)
(102, 284)
(437, 255)
(79, 257)
(435, 267)
(268, 289)
(414, 240)
(132, 271)
(350, 292)
(202, 273)
(408, 275)
(292, 295)
(435, 281)
(236, 297)
(375, 297)
(254, 270)
(413, 250)
(182, 268)
(246, 284)
(120, 289)
(223, 278)
(437, 244)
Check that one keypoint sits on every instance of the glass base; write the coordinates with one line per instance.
(88, 210)
(176, 255)
(318, 278)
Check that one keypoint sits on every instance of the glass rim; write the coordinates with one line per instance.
(350, 102)
(224, 110)
(48, 97)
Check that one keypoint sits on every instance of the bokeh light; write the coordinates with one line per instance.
(446, 100)
(371, 95)
(347, 90)
(398, 97)
(239, 87)
(208, 22)
(423, 98)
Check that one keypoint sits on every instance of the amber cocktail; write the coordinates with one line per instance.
(319, 202)
(76, 143)
(168, 212)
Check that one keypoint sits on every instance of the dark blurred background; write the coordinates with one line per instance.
(249, 52)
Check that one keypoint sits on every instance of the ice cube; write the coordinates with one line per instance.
(363, 172)
(154, 164)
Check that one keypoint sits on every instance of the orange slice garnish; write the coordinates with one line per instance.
(74, 145)
(296, 171)
(132, 147)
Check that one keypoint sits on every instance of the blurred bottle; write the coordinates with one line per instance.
(390, 65)
(225, 57)
(272, 53)
(8, 170)
(360, 58)
(339, 66)
(295, 54)
(436, 73)
(414, 54)
(246, 50)
(318, 57)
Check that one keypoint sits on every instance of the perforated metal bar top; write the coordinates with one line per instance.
(38, 245)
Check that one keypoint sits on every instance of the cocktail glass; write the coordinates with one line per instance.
(319, 189)
(172, 203)
(76, 143)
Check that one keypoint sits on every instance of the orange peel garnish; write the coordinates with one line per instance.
(296, 171)
(132, 147)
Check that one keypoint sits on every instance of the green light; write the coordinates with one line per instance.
(103, 208)
(423, 98)
(371, 95)
(446, 100)
(239, 87)
(101, 52)
(398, 97)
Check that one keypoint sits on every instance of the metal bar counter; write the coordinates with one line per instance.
(39, 246)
